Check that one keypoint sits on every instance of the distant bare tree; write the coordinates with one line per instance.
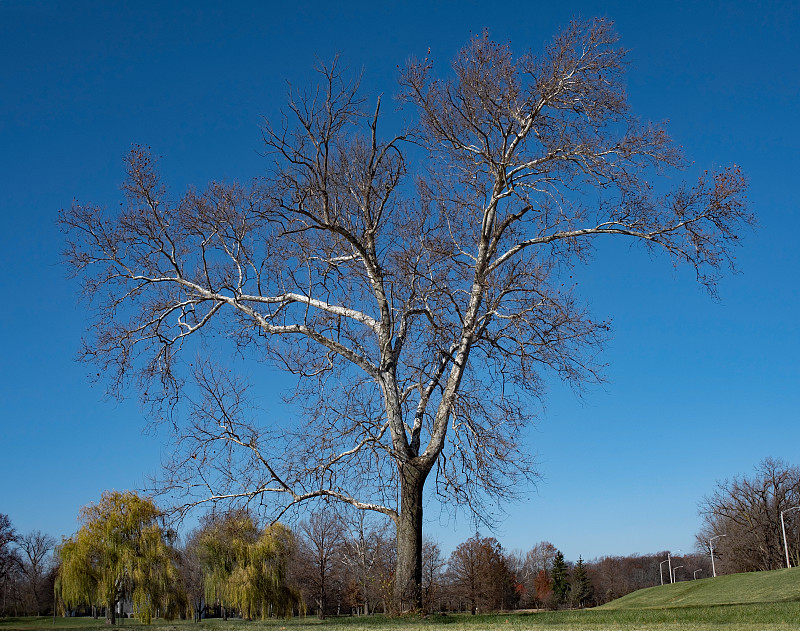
(10, 561)
(535, 566)
(540, 557)
(615, 576)
(480, 574)
(433, 565)
(543, 588)
(319, 558)
(37, 547)
(190, 570)
(368, 555)
(527, 566)
(748, 511)
(420, 295)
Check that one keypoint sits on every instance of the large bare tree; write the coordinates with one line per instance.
(415, 283)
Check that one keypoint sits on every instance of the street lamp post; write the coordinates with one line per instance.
(783, 528)
(675, 571)
(695, 573)
(711, 546)
(669, 558)
(661, 570)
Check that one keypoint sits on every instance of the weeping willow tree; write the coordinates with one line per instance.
(245, 567)
(120, 552)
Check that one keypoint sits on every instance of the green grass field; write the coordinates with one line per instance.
(761, 601)
(753, 617)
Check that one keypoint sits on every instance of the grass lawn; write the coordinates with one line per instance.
(759, 601)
(751, 617)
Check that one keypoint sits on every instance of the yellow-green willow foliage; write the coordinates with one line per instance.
(246, 568)
(120, 551)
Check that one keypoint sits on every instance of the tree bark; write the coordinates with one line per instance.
(321, 608)
(408, 574)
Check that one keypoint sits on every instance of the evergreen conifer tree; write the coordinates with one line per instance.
(581, 589)
(560, 579)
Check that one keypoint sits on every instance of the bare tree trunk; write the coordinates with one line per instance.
(111, 612)
(408, 574)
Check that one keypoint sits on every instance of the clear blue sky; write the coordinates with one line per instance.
(697, 390)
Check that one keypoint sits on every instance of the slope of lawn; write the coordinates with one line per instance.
(753, 587)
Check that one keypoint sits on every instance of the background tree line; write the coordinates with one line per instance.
(743, 518)
(125, 559)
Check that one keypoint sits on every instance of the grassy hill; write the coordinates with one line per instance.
(753, 587)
